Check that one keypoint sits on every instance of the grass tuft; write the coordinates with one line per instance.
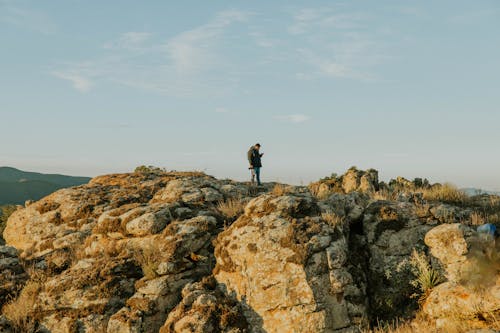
(332, 219)
(20, 311)
(148, 258)
(280, 190)
(231, 208)
(447, 193)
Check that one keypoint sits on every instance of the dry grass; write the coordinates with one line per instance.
(386, 194)
(491, 210)
(422, 324)
(493, 218)
(445, 193)
(148, 258)
(332, 219)
(20, 311)
(422, 210)
(231, 208)
(396, 327)
(280, 189)
(477, 218)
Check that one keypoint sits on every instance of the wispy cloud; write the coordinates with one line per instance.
(413, 11)
(26, 18)
(262, 40)
(336, 44)
(129, 40)
(310, 19)
(192, 49)
(179, 67)
(474, 17)
(293, 118)
(78, 81)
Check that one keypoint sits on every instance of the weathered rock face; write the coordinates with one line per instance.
(353, 180)
(288, 266)
(205, 308)
(150, 252)
(118, 251)
(472, 267)
(392, 231)
(12, 274)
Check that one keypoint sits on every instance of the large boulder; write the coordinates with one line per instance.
(472, 267)
(358, 180)
(288, 266)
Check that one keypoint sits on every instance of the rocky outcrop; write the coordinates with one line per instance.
(205, 308)
(353, 180)
(287, 262)
(185, 252)
(472, 267)
(392, 231)
(118, 251)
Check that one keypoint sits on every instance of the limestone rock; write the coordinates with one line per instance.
(472, 268)
(151, 251)
(353, 180)
(205, 309)
(392, 231)
(289, 272)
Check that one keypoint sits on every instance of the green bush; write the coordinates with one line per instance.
(5, 212)
(149, 169)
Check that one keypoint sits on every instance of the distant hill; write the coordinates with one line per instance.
(17, 186)
(476, 191)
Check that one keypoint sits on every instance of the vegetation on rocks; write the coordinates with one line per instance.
(158, 251)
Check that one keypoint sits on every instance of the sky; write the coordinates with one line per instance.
(410, 88)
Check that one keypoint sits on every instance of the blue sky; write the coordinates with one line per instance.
(410, 88)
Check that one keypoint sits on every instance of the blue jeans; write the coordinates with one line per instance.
(256, 172)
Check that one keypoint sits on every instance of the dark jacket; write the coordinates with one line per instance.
(254, 157)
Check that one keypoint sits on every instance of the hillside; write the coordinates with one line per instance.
(476, 191)
(17, 186)
(185, 252)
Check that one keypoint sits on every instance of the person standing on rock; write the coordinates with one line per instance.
(254, 158)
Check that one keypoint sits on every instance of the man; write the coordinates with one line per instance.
(254, 158)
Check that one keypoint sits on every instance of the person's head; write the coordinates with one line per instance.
(257, 146)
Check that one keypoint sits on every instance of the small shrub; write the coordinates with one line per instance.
(422, 210)
(426, 277)
(149, 169)
(148, 258)
(280, 189)
(493, 218)
(5, 212)
(231, 208)
(477, 218)
(332, 219)
(385, 194)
